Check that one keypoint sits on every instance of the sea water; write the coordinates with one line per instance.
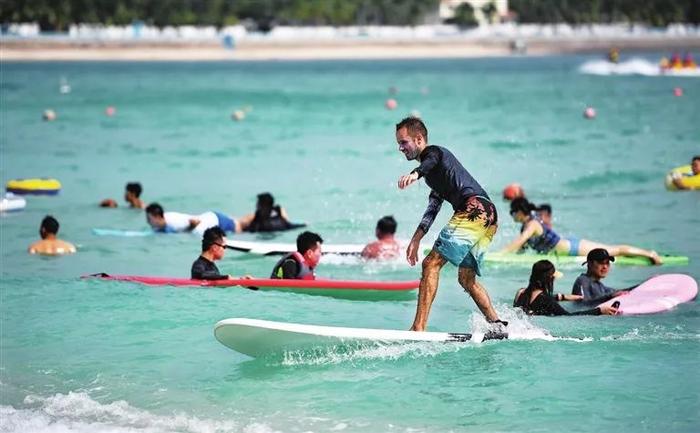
(80, 355)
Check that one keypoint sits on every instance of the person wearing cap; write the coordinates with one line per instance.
(589, 286)
(538, 297)
(541, 238)
(213, 249)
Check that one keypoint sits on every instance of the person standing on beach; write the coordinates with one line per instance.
(466, 236)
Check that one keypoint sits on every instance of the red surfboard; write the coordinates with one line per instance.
(347, 289)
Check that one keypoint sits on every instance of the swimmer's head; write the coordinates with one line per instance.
(520, 209)
(695, 164)
(386, 226)
(543, 275)
(265, 201)
(412, 137)
(214, 240)
(134, 188)
(309, 246)
(513, 191)
(49, 226)
(155, 216)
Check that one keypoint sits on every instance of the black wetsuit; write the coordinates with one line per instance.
(204, 269)
(544, 305)
(270, 223)
(448, 180)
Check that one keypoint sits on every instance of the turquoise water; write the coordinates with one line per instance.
(83, 355)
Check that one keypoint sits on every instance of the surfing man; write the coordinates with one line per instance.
(300, 264)
(213, 249)
(541, 238)
(538, 298)
(49, 244)
(176, 222)
(589, 286)
(385, 247)
(466, 236)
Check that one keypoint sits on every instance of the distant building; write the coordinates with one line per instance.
(447, 9)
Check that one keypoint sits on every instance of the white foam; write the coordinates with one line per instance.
(634, 66)
(76, 412)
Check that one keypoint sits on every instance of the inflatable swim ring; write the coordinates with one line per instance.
(690, 182)
(11, 203)
(43, 186)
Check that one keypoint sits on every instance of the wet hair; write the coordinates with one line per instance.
(307, 241)
(696, 158)
(266, 200)
(211, 236)
(154, 209)
(387, 225)
(541, 278)
(134, 188)
(50, 225)
(545, 207)
(414, 126)
(521, 204)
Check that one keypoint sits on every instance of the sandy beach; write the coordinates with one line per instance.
(80, 50)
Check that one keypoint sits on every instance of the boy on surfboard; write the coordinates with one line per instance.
(463, 241)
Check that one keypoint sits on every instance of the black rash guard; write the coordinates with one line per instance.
(544, 305)
(203, 269)
(448, 180)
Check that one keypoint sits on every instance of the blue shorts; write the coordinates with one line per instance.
(225, 222)
(573, 245)
(465, 238)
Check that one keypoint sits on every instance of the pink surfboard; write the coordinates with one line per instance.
(657, 294)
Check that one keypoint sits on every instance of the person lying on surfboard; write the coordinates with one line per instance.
(300, 264)
(536, 235)
(589, 286)
(538, 297)
(176, 222)
(385, 247)
(465, 238)
(268, 217)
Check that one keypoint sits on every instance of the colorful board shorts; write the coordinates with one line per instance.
(467, 235)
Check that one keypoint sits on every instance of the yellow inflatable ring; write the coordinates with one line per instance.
(34, 186)
(688, 180)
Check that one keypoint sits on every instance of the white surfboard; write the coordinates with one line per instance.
(257, 338)
(271, 249)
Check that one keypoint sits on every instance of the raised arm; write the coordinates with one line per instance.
(531, 229)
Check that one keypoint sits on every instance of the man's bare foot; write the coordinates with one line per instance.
(655, 258)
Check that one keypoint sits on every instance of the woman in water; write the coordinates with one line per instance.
(535, 234)
(538, 297)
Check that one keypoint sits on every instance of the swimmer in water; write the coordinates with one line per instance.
(300, 264)
(678, 178)
(213, 249)
(49, 244)
(536, 235)
(268, 216)
(538, 297)
(385, 247)
(132, 194)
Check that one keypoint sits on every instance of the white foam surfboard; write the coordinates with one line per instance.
(270, 248)
(254, 337)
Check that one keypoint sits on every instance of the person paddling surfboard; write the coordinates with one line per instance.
(465, 238)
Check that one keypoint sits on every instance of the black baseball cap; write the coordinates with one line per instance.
(598, 255)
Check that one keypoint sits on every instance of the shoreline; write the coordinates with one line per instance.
(337, 49)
